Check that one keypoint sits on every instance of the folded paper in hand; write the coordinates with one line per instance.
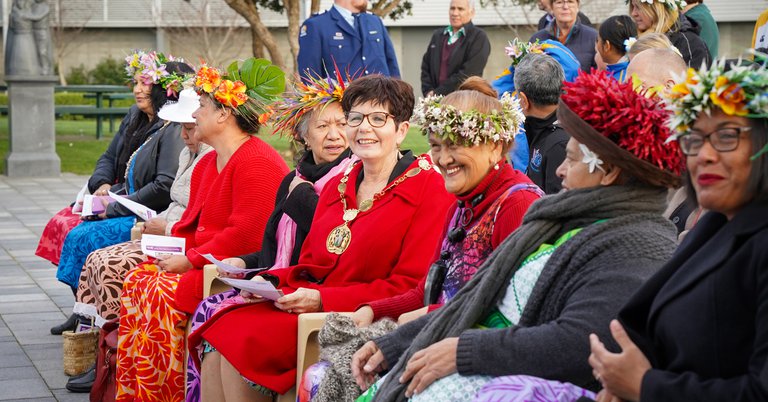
(140, 210)
(160, 246)
(77, 207)
(94, 204)
(230, 269)
(263, 289)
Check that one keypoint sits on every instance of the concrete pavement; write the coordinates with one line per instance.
(31, 299)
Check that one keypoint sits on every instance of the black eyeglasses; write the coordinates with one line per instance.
(722, 140)
(375, 119)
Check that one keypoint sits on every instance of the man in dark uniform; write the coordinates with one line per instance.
(454, 53)
(539, 81)
(348, 38)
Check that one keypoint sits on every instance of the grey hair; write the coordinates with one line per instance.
(540, 77)
(302, 127)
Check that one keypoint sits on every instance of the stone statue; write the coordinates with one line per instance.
(30, 50)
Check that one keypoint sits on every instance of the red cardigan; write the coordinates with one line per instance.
(390, 251)
(509, 218)
(227, 210)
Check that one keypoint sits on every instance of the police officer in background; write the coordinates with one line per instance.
(348, 38)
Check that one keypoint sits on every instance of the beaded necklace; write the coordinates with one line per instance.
(340, 237)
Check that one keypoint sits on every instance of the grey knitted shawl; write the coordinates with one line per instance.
(546, 220)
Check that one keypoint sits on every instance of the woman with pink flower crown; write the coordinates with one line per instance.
(140, 164)
(232, 194)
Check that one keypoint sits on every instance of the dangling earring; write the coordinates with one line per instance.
(496, 166)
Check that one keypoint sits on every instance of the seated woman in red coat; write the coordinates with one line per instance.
(232, 194)
(372, 236)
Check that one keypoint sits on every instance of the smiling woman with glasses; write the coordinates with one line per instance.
(567, 29)
(698, 330)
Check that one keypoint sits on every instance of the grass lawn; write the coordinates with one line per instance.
(79, 149)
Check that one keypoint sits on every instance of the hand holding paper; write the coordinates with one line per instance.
(263, 289)
(140, 210)
(228, 268)
(160, 246)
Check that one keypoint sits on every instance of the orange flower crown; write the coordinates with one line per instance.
(248, 89)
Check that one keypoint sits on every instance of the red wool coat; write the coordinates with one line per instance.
(390, 251)
(227, 211)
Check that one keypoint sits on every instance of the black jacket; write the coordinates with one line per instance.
(581, 41)
(546, 151)
(469, 58)
(684, 35)
(702, 320)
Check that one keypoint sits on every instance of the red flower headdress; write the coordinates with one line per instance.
(633, 122)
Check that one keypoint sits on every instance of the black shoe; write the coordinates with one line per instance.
(82, 383)
(84, 373)
(68, 325)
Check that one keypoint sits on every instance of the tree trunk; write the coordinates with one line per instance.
(259, 33)
(292, 9)
(315, 7)
(382, 8)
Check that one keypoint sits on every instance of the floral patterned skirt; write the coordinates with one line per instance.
(98, 291)
(151, 338)
(56, 230)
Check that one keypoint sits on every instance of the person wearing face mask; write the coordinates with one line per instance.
(139, 164)
(455, 52)
(311, 115)
(564, 273)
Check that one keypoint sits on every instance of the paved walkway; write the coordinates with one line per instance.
(31, 299)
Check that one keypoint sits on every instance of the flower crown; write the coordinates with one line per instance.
(314, 91)
(151, 67)
(678, 5)
(517, 49)
(631, 119)
(248, 89)
(741, 91)
(471, 127)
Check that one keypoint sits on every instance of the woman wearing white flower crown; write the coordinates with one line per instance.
(563, 274)
(698, 330)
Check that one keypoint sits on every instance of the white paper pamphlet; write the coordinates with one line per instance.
(230, 269)
(77, 208)
(162, 246)
(263, 289)
(140, 210)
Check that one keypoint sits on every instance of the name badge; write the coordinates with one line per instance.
(338, 36)
(373, 32)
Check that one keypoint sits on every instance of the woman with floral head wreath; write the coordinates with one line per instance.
(312, 116)
(698, 330)
(139, 164)
(470, 132)
(563, 274)
(666, 17)
(371, 237)
(232, 193)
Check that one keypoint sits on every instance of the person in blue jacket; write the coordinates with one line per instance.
(348, 39)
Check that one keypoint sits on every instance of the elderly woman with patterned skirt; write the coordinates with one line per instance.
(564, 273)
(373, 234)
(233, 190)
(312, 116)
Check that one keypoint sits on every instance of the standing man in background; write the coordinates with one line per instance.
(346, 38)
(697, 11)
(455, 52)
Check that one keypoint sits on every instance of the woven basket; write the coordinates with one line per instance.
(79, 351)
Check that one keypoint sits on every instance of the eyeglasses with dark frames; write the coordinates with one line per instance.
(722, 140)
(375, 119)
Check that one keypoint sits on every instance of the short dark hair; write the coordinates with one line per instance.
(615, 30)
(540, 77)
(394, 94)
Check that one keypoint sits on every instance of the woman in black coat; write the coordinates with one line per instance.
(698, 330)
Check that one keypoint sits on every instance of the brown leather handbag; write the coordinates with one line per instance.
(105, 386)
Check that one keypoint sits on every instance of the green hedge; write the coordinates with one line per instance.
(74, 98)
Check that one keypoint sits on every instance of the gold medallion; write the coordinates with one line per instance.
(350, 215)
(413, 172)
(424, 165)
(338, 240)
(366, 205)
(342, 187)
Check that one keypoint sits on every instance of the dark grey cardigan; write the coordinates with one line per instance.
(571, 299)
